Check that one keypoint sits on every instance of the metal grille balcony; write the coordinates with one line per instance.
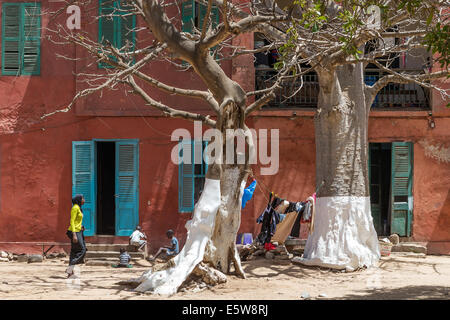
(393, 96)
(306, 97)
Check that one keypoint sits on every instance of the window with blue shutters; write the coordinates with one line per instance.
(115, 26)
(401, 188)
(193, 14)
(191, 173)
(83, 181)
(21, 38)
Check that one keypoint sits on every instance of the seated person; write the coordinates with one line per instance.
(138, 239)
(124, 260)
(169, 251)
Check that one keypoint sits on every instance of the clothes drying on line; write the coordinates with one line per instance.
(248, 193)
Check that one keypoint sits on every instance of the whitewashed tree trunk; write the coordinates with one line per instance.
(222, 246)
(344, 236)
(211, 236)
(200, 228)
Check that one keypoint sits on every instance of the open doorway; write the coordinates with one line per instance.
(380, 186)
(106, 168)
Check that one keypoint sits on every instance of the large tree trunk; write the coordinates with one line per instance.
(344, 236)
(221, 249)
(211, 236)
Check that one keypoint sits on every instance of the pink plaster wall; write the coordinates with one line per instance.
(35, 154)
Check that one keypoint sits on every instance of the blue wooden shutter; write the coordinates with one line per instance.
(186, 178)
(127, 197)
(127, 24)
(215, 16)
(31, 38)
(106, 27)
(83, 181)
(127, 35)
(401, 188)
(188, 15)
(202, 8)
(11, 38)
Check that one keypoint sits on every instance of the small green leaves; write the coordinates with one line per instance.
(438, 41)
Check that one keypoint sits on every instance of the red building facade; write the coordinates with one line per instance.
(37, 155)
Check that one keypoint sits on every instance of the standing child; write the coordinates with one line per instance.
(170, 251)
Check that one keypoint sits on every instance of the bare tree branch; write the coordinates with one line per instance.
(168, 111)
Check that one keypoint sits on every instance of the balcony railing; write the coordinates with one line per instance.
(391, 97)
(287, 96)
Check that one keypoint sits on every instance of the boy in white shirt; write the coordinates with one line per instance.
(138, 239)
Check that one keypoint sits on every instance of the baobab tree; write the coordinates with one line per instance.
(210, 249)
(336, 39)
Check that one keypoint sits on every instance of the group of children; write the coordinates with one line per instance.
(139, 240)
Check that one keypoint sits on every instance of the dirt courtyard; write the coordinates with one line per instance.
(396, 277)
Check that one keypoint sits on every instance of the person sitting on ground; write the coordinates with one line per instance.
(124, 260)
(169, 251)
(138, 239)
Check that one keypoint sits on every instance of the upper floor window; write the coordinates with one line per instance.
(116, 26)
(21, 38)
(191, 173)
(193, 14)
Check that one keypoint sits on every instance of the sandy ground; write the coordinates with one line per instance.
(396, 277)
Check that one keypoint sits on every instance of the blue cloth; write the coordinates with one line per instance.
(248, 193)
(175, 251)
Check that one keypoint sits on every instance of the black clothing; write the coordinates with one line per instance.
(78, 249)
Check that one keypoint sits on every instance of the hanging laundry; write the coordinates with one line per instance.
(269, 220)
(309, 212)
(248, 193)
(295, 231)
(269, 246)
(286, 226)
(313, 198)
(282, 207)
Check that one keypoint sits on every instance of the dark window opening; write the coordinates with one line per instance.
(106, 209)
(380, 186)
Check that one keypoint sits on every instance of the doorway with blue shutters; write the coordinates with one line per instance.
(106, 173)
(390, 179)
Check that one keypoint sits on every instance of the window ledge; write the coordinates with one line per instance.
(404, 113)
(300, 112)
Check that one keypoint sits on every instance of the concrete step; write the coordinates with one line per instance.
(101, 262)
(408, 254)
(410, 247)
(106, 259)
(112, 254)
(108, 262)
(107, 239)
(109, 247)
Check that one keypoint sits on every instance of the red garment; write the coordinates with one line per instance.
(269, 246)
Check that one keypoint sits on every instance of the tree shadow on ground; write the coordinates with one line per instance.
(403, 293)
(285, 268)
